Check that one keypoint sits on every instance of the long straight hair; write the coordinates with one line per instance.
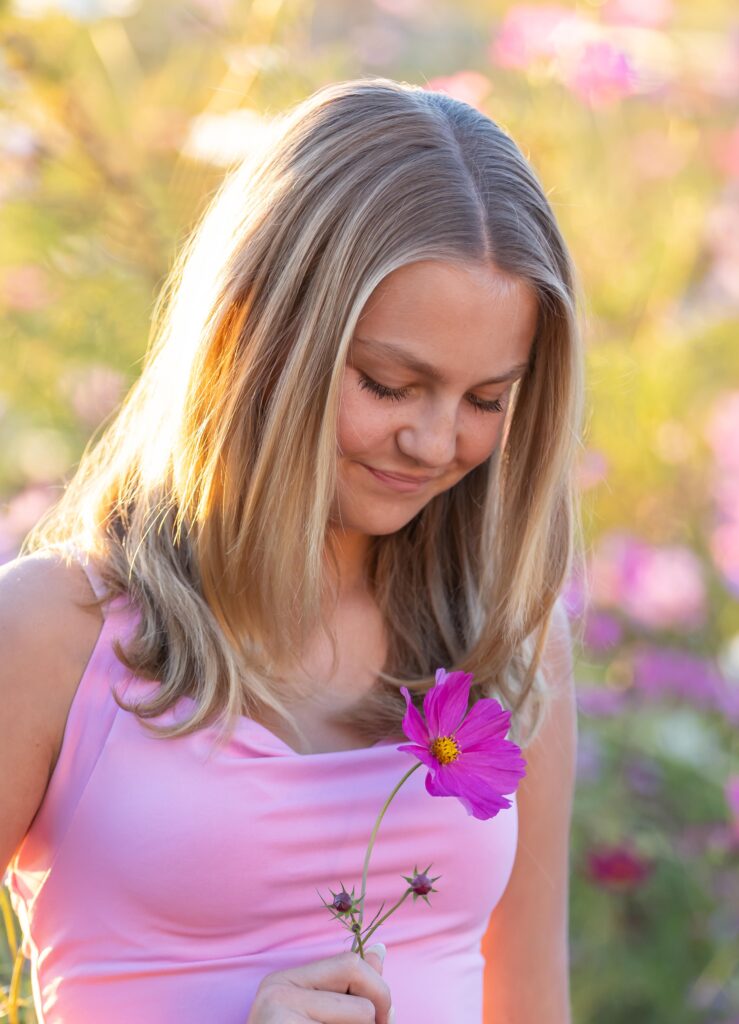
(206, 498)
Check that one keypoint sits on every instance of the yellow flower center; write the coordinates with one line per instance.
(445, 749)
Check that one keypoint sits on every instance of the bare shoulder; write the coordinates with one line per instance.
(47, 636)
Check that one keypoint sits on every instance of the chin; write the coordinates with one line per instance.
(378, 524)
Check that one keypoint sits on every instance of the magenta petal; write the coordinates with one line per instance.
(486, 721)
(479, 800)
(413, 724)
(502, 771)
(441, 782)
(445, 704)
(422, 753)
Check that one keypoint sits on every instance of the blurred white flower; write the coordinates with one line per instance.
(225, 139)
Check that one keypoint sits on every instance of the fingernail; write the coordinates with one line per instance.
(379, 948)
(391, 1015)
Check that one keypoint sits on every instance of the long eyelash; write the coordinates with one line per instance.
(483, 406)
(396, 394)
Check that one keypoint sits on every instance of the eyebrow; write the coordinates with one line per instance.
(427, 370)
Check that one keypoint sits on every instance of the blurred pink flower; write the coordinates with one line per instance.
(529, 33)
(574, 49)
(725, 493)
(731, 790)
(724, 544)
(726, 152)
(646, 13)
(592, 469)
(602, 631)
(469, 86)
(658, 587)
(669, 672)
(617, 866)
(722, 429)
(600, 74)
(24, 288)
(19, 514)
(573, 595)
(697, 839)
(93, 391)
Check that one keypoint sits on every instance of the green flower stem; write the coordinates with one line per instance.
(380, 816)
(384, 917)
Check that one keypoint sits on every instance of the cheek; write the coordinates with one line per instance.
(363, 423)
(479, 439)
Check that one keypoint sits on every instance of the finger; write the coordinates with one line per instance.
(346, 974)
(335, 1008)
(375, 956)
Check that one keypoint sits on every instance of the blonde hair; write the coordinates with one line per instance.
(206, 498)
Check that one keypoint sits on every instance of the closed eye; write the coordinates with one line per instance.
(397, 394)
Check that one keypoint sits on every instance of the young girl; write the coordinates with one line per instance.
(349, 461)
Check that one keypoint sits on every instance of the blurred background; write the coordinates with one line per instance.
(118, 120)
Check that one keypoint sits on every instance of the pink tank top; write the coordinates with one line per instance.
(161, 880)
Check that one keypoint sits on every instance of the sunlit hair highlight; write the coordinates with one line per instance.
(207, 498)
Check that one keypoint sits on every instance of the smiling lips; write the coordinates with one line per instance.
(398, 482)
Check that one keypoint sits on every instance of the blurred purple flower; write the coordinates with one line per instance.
(643, 775)
(602, 631)
(665, 671)
(696, 840)
(589, 767)
(573, 596)
(660, 588)
(602, 701)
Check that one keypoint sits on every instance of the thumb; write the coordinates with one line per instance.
(377, 952)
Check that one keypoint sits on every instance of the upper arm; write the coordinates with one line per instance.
(46, 639)
(526, 944)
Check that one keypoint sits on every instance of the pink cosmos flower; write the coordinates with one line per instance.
(617, 867)
(467, 754)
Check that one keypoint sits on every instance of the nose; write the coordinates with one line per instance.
(430, 440)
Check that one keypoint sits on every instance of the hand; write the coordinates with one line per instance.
(342, 989)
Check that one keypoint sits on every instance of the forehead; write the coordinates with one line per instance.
(468, 318)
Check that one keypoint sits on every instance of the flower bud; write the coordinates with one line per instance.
(421, 884)
(342, 902)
